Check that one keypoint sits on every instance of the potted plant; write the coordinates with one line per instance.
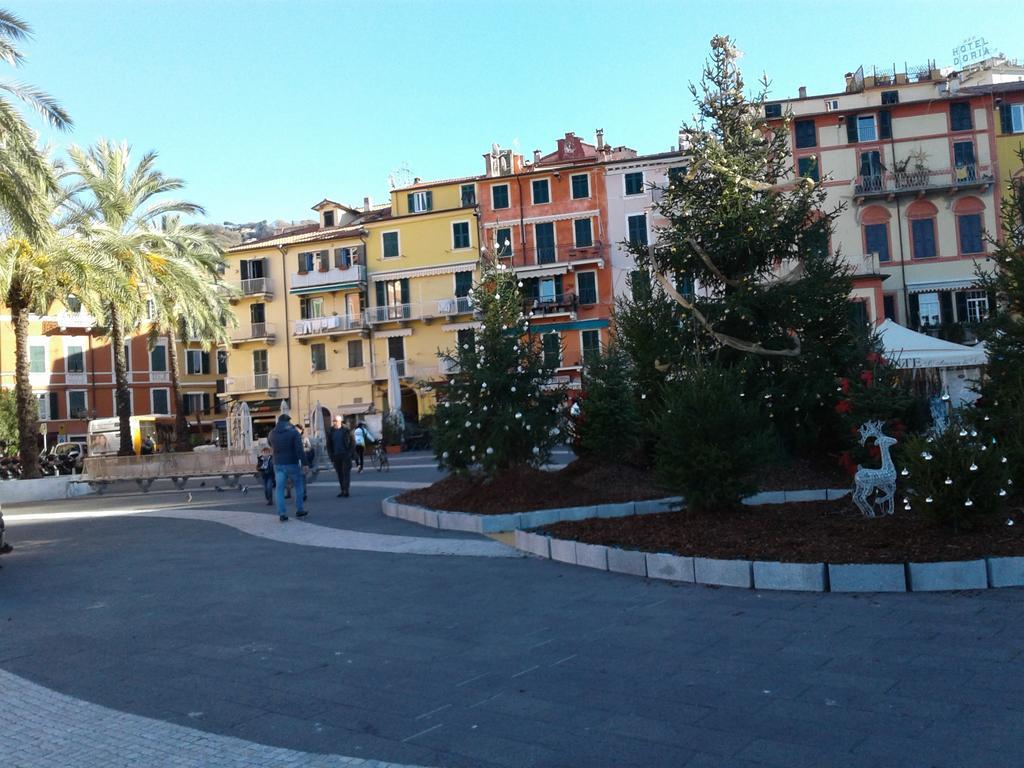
(393, 431)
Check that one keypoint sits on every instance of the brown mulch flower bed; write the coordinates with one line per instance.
(807, 532)
(577, 485)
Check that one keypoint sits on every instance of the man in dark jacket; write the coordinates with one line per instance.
(289, 458)
(340, 449)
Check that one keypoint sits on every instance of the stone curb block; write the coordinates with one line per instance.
(669, 567)
(458, 521)
(498, 523)
(533, 543)
(414, 514)
(795, 496)
(569, 514)
(1006, 571)
(627, 561)
(430, 518)
(867, 577)
(592, 556)
(539, 518)
(799, 577)
(654, 506)
(625, 509)
(563, 551)
(765, 497)
(932, 577)
(724, 573)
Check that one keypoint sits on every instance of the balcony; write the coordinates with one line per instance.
(328, 326)
(922, 181)
(408, 370)
(397, 313)
(257, 287)
(264, 332)
(73, 322)
(549, 258)
(552, 304)
(332, 279)
(260, 382)
(76, 378)
(456, 305)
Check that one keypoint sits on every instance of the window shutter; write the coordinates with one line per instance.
(945, 307)
(1005, 118)
(885, 124)
(54, 405)
(915, 310)
(244, 266)
(405, 292)
(186, 405)
(851, 129)
(412, 198)
(430, 200)
(206, 401)
(381, 294)
(206, 361)
(302, 262)
(558, 286)
(961, 306)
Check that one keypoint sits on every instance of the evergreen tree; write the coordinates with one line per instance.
(769, 298)
(609, 428)
(499, 410)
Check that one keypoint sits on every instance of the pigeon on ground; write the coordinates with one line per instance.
(245, 489)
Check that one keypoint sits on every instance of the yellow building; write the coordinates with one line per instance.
(1008, 107)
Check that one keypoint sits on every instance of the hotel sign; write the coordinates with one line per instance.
(971, 50)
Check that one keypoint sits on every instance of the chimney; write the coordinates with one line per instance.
(802, 91)
(600, 139)
(416, 180)
(682, 146)
(366, 204)
(536, 156)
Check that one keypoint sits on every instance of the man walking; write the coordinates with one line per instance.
(289, 458)
(339, 448)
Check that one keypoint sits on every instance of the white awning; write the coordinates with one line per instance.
(464, 266)
(909, 349)
(452, 327)
(392, 334)
(943, 285)
(545, 270)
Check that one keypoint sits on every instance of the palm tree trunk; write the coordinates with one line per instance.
(122, 397)
(180, 422)
(28, 408)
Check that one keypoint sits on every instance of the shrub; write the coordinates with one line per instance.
(609, 427)
(711, 439)
(958, 478)
(393, 428)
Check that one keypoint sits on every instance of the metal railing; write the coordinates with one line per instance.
(75, 320)
(258, 382)
(559, 302)
(353, 274)
(381, 371)
(922, 179)
(324, 326)
(256, 286)
(552, 254)
(253, 332)
(456, 305)
(390, 313)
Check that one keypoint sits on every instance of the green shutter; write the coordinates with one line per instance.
(960, 298)
(851, 129)
(430, 200)
(885, 124)
(381, 294)
(1005, 118)
(206, 362)
(54, 405)
(915, 311)
(405, 290)
(412, 197)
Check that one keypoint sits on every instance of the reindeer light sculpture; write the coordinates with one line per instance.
(882, 481)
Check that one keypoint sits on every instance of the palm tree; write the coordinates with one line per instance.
(124, 214)
(36, 272)
(191, 301)
(22, 166)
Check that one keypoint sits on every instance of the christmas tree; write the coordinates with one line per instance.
(499, 409)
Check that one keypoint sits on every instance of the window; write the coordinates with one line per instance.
(78, 404)
(47, 403)
(636, 227)
(544, 235)
(640, 285)
(420, 202)
(876, 240)
(460, 234)
(590, 344)
(161, 402)
(922, 232)
(866, 128)
(677, 174)
(963, 161)
(463, 283)
(328, 218)
(772, 110)
(259, 361)
(541, 190)
(806, 134)
(305, 262)
(158, 358)
(74, 304)
(586, 287)
(318, 357)
(580, 186)
(36, 358)
(74, 361)
(194, 402)
(150, 309)
(582, 233)
(499, 196)
(197, 361)
(222, 362)
(969, 227)
(889, 307)
(890, 97)
(503, 241)
(342, 258)
(389, 241)
(552, 350)
(807, 167)
(467, 193)
(549, 290)
(466, 339)
(977, 306)
(393, 300)
(1011, 118)
(634, 183)
(311, 307)
(355, 354)
(871, 167)
(928, 309)
(960, 116)
(396, 351)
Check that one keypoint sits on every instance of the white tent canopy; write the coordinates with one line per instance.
(909, 349)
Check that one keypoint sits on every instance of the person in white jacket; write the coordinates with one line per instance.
(362, 437)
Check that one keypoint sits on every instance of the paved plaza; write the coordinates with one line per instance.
(151, 630)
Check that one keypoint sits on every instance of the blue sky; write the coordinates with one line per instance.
(265, 108)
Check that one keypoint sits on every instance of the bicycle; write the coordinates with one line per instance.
(380, 457)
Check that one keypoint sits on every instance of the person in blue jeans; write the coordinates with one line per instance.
(265, 469)
(289, 460)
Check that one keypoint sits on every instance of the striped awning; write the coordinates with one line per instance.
(325, 287)
(942, 285)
